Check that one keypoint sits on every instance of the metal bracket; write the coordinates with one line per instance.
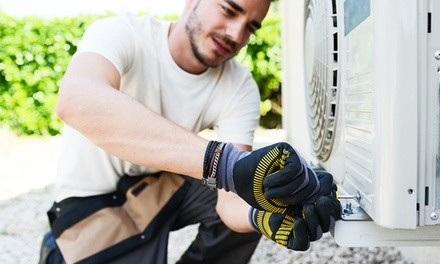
(350, 212)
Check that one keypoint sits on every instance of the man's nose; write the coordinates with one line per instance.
(236, 31)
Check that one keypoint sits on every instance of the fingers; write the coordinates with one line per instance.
(249, 172)
(328, 209)
(286, 189)
(299, 239)
(325, 182)
(312, 221)
(308, 191)
(296, 191)
(294, 211)
(294, 167)
(325, 212)
(285, 176)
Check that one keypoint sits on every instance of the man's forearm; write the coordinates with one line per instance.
(234, 212)
(89, 101)
(125, 128)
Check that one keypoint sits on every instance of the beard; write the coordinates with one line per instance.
(193, 28)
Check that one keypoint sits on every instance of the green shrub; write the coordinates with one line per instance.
(35, 52)
(263, 57)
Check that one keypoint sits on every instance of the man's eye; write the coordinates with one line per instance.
(228, 11)
(251, 29)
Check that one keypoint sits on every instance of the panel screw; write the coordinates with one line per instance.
(437, 54)
(348, 210)
(434, 216)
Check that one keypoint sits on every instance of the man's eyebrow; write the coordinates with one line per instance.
(235, 6)
(240, 9)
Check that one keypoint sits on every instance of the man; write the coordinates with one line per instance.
(133, 98)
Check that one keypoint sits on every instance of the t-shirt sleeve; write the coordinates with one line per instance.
(112, 38)
(241, 116)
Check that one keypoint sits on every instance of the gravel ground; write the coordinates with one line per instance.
(26, 177)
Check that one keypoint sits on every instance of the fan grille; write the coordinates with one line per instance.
(321, 56)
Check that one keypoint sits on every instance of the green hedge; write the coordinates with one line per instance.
(35, 52)
(263, 56)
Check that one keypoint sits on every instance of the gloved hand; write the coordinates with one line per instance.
(271, 178)
(289, 231)
(305, 223)
(320, 215)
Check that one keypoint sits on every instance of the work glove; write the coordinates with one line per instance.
(321, 213)
(271, 178)
(288, 231)
(305, 223)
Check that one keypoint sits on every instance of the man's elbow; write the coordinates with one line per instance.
(65, 107)
(60, 109)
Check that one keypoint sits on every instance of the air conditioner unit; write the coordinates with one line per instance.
(361, 100)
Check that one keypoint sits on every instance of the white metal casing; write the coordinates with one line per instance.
(383, 141)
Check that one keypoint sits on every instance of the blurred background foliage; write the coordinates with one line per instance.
(263, 57)
(35, 52)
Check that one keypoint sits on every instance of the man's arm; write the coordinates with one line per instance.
(89, 101)
(233, 210)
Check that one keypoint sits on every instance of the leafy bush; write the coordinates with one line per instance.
(263, 57)
(35, 52)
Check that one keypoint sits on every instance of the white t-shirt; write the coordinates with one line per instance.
(225, 98)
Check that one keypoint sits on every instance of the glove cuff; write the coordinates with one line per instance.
(252, 217)
(229, 157)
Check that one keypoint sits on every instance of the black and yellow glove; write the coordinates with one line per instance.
(288, 231)
(271, 178)
(303, 224)
(320, 215)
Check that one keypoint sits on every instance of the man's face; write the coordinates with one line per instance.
(218, 29)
